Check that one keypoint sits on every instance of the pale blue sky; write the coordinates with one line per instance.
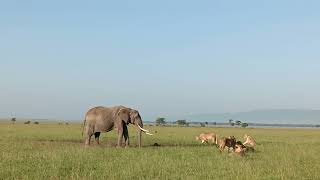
(58, 58)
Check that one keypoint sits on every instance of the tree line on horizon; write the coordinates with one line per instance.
(14, 120)
(161, 121)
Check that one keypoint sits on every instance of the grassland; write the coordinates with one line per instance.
(51, 151)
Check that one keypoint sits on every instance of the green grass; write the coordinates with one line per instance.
(49, 151)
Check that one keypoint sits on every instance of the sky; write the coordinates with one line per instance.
(60, 58)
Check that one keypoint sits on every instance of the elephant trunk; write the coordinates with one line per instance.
(139, 137)
(140, 129)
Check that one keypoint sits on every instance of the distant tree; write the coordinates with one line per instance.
(160, 121)
(238, 123)
(36, 122)
(182, 123)
(13, 120)
(244, 125)
(202, 125)
(67, 123)
(317, 125)
(230, 121)
(206, 123)
(214, 123)
(232, 124)
(27, 122)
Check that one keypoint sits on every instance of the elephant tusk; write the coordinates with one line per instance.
(149, 134)
(144, 130)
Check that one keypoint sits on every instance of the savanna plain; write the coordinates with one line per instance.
(52, 151)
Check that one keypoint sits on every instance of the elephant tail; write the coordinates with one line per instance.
(84, 123)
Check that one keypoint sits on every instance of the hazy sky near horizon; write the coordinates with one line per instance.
(59, 58)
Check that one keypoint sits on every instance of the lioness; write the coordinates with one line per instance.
(207, 137)
(240, 149)
(249, 140)
(230, 142)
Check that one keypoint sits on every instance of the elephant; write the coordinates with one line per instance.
(103, 119)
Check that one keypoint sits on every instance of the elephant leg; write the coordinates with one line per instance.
(126, 135)
(88, 139)
(120, 135)
(96, 136)
(89, 133)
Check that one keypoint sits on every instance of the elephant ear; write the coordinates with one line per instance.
(134, 114)
(124, 115)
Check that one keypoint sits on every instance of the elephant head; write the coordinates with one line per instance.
(131, 116)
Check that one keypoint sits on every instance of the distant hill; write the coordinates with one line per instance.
(271, 116)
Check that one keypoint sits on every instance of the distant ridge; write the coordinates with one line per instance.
(269, 116)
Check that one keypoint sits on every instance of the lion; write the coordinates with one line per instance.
(230, 142)
(240, 149)
(249, 141)
(207, 137)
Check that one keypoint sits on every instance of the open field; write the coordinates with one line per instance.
(50, 151)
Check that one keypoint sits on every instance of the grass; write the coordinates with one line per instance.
(49, 151)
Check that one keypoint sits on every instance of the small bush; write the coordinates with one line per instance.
(244, 125)
(238, 123)
(27, 122)
(182, 122)
(160, 121)
(36, 122)
(13, 120)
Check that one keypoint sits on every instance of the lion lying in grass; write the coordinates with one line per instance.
(240, 149)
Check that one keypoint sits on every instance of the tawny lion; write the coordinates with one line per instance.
(249, 140)
(240, 149)
(207, 137)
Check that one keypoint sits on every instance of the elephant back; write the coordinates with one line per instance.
(102, 118)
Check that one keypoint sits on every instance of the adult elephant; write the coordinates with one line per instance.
(104, 119)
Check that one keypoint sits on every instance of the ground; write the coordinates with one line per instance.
(52, 151)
